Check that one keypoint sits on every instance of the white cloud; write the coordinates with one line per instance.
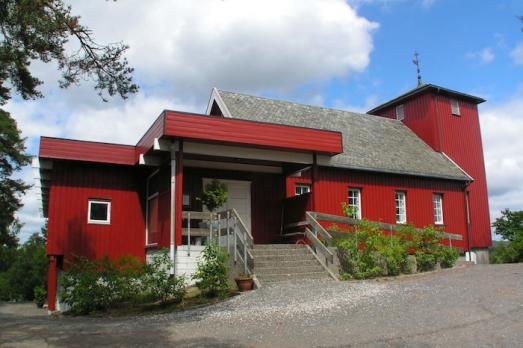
(182, 49)
(517, 54)
(502, 126)
(484, 56)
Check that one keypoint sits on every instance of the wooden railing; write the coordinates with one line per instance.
(226, 228)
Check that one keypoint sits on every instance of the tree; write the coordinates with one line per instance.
(509, 225)
(33, 30)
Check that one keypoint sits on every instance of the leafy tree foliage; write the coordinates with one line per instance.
(510, 227)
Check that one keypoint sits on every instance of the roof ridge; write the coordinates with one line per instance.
(310, 105)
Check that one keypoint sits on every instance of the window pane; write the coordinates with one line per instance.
(401, 209)
(438, 208)
(354, 202)
(152, 223)
(99, 211)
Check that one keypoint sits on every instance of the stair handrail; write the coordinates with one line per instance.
(242, 241)
(312, 233)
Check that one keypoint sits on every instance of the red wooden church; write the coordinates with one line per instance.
(415, 159)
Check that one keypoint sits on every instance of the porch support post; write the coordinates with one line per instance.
(314, 180)
(179, 193)
(51, 283)
(176, 200)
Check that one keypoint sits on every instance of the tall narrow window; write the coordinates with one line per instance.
(354, 202)
(98, 212)
(454, 105)
(301, 189)
(437, 200)
(400, 112)
(152, 220)
(401, 208)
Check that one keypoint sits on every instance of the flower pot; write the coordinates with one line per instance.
(244, 284)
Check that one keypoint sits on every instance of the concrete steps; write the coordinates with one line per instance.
(281, 262)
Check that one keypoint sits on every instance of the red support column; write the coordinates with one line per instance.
(314, 183)
(179, 194)
(51, 283)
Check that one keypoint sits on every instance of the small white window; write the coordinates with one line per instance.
(354, 202)
(301, 189)
(437, 200)
(99, 212)
(454, 105)
(401, 208)
(400, 112)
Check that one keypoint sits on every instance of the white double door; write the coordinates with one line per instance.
(239, 198)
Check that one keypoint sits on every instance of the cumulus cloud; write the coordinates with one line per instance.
(502, 126)
(517, 54)
(484, 56)
(180, 50)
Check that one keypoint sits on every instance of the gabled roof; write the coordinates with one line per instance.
(424, 89)
(369, 142)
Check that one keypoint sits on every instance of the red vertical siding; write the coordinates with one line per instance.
(377, 197)
(461, 141)
(459, 137)
(70, 234)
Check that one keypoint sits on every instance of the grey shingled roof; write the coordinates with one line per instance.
(369, 142)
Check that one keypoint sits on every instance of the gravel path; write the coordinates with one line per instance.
(469, 307)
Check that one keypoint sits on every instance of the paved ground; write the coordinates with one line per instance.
(476, 306)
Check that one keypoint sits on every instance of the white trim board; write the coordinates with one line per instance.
(233, 166)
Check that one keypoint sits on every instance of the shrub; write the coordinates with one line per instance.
(99, 284)
(425, 261)
(448, 256)
(211, 274)
(40, 295)
(159, 284)
(214, 195)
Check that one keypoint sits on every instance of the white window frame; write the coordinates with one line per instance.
(454, 107)
(437, 202)
(354, 194)
(400, 112)
(400, 206)
(302, 188)
(94, 221)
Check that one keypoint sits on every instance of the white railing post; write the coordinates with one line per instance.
(189, 233)
(235, 241)
(227, 227)
(218, 215)
(245, 252)
(210, 227)
(450, 241)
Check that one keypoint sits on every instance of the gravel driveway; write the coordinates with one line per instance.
(470, 307)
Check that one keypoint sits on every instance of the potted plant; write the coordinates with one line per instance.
(214, 195)
(39, 295)
(244, 281)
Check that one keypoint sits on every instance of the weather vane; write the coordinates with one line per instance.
(416, 63)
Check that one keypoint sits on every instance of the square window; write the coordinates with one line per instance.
(454, 105)
(99, 212)
(400, 112)
(301, 189)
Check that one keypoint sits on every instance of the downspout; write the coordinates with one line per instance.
(467, 216)
(172, 242)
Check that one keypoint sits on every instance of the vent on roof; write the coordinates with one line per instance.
(400, 112)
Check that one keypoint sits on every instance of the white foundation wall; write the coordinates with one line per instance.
(186, 261)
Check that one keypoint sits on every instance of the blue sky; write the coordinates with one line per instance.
(349, 55)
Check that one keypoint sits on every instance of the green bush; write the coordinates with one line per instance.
(214, 195)
(211, 274)
(159, 284)
(448, 256)
(40, 296)
(425, 261)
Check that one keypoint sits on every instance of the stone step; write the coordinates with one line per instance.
(278, 246)
(311, 268)
(274, 252)
(273, 278)
(285, 263)
(283, 258)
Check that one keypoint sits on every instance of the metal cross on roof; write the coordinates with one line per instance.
(416, 62)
